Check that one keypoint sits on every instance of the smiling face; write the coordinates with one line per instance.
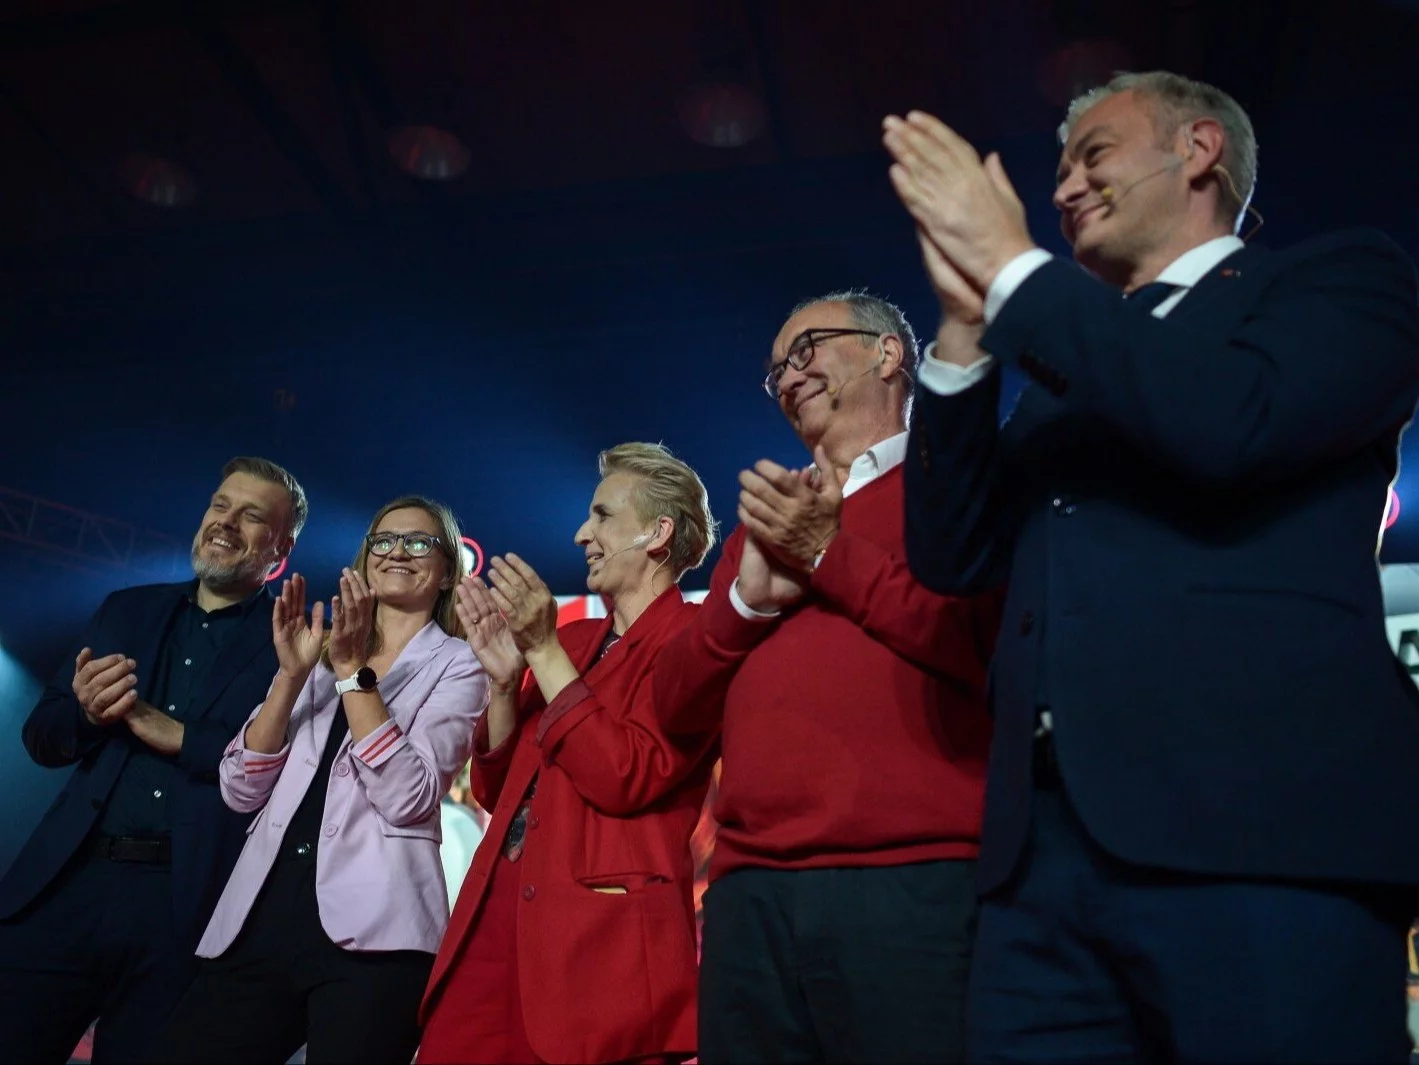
(837, 364)
(398, 578)
(1122, 189)
(243, 535)
(616, 559)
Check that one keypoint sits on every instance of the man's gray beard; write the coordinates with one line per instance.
(248, 573)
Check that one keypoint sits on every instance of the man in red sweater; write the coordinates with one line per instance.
(841, 908)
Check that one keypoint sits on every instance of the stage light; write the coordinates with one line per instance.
(1391, 507)
(157, 181)
(428, 153)
(721, 114)
(472, 555)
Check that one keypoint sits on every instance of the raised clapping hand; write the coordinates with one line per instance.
(525, 601)
(792, 514)
(297, 641)
(351, 619)
(488, 634)
(970, 220)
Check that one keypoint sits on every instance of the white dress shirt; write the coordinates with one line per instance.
(946, 378)
(880, 458)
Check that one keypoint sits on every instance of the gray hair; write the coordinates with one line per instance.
(1175, 100)
(666, 488)
(879, 315)
(266, 470)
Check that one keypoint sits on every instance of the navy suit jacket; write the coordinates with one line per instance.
(1187, 512)
(206, 836)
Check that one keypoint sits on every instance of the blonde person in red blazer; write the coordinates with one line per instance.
(573, 939)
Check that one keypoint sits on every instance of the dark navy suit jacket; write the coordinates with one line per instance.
(206, 836)
(1187, 512)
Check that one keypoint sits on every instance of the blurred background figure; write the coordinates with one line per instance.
(463, 827)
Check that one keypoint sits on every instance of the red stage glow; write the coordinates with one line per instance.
(1391, 507)
(475, 565)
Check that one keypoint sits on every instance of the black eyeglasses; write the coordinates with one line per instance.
(416, 545)
(801, 352)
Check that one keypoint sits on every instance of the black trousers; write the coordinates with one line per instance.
(98, 943)
(829, 965)
(284, 983)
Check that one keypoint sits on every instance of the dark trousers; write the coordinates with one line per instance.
(850, 965)
(98, 943)
(1082, 958)
(284, 983)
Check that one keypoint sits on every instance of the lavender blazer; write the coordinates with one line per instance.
(379, 880)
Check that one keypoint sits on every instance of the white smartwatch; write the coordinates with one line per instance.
(362, 680)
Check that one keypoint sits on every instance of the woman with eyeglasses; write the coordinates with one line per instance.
(573, 939)
(327, 929)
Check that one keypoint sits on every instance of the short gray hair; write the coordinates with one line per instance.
(266, 470)
(1175, 100)
(879, 315)
(666, 487)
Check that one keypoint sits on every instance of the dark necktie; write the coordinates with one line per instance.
(1146, 297)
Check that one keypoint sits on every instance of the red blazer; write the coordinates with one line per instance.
(603, 977)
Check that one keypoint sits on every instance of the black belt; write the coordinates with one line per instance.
(146, 850)
(1046, 761)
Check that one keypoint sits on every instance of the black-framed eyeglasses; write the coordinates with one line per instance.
(801, 352)
(416, 545)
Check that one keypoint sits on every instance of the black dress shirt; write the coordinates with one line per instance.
(138, 804)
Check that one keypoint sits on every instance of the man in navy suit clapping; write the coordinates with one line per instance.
(1194, 809)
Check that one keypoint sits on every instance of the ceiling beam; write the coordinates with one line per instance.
(269, 112)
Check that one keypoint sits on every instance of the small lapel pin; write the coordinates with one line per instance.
(1227, 271)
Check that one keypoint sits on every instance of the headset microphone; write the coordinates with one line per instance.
(1110, 197)
(643, 538)
(836, 390)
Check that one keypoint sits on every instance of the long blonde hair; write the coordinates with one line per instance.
(450, 536)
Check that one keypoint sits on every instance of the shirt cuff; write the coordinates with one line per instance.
(946, 378)
(1011, 277)
(379, 746)
(744, 610)
(254, 763)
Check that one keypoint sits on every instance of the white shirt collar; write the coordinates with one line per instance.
(878, 459)
(1192, 266)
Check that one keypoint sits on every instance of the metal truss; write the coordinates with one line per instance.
(90, 541)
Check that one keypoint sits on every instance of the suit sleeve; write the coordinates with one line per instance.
(57, 733)
(1322, 365)
(488, 768)
(406, 775)
(693, 670)
(618, 755)
(959, 538)
(952, 636)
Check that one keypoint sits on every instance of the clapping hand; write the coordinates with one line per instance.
(351, 619)
(966, 210)
(792, 515)
(107, 687)
(525, 601)
(297, 641)
(488, 634)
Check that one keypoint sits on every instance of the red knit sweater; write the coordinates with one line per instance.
(855, 726)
